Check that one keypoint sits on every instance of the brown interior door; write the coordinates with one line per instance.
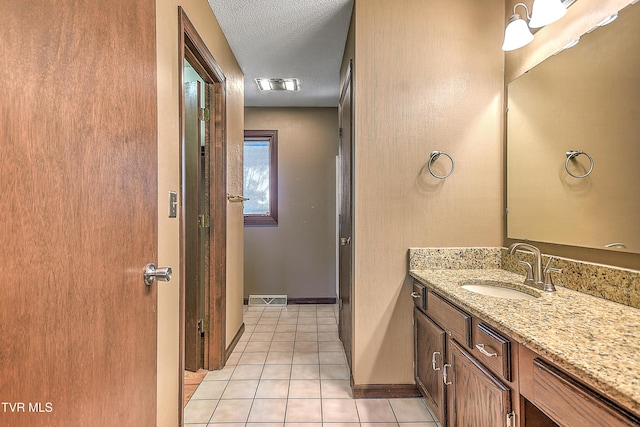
(191, 206)
(345, 230)
(78, 178)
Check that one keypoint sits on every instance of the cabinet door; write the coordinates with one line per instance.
(429, 360)
(475, 396)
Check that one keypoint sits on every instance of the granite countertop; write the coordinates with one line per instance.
(594, 339)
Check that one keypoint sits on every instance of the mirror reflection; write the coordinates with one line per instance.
(573, 143)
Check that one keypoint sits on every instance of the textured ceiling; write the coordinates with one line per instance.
(287, 38)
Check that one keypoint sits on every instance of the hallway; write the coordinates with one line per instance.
(289, 369)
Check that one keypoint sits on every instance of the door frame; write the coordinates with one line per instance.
(192, 48)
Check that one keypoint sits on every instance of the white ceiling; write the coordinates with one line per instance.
(287, 38)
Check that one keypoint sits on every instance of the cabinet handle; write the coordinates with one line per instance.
(433, 361)
(480, 348)
(415, 295)
(445, 375)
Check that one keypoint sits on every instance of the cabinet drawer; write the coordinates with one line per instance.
(492, 349)
(419, 295)
(450, 318)
(571, 404)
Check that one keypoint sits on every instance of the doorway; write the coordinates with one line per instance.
(345, 224)
(203, 206)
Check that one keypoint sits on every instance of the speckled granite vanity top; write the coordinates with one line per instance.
(594, 339)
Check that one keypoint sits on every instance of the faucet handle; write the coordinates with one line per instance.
(548, 280)
(529, 278)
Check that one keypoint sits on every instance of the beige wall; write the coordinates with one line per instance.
(428, 76)
(198, 11)
(581, 16)
(298, 257)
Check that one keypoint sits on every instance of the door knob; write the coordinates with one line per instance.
(151, 273)
(344, 241)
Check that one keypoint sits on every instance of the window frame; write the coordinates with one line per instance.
(272, 217)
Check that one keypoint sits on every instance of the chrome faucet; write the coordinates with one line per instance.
(536, 279)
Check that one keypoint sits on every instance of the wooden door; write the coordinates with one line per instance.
(475, 396)
(345, 230)
(191, 200)
(78, 182)
(430, 342)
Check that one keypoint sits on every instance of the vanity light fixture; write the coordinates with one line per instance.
(517, 33)
(545, 12)
(291, 85)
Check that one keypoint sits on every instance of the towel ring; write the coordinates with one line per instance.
(572, 154)
(433, 157)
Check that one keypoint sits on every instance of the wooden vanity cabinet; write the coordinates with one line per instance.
(473, 375)
(459, 389)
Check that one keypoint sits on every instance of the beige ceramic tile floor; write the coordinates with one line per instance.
(289, 370)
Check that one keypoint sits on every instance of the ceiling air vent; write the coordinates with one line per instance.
(292, 85)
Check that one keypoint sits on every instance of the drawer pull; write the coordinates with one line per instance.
(415, 295)
(433, 361)
(482, 350)
(445, 375)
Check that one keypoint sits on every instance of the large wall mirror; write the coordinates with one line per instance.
(584, 100)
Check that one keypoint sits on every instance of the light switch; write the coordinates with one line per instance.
(173, 204)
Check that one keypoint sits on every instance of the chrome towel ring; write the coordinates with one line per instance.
(433, 157)
(572, 154)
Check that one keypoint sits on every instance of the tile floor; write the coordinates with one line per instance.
(289, 370)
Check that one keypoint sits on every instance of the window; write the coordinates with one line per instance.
(261, 177)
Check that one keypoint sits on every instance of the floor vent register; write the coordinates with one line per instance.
(268, 300)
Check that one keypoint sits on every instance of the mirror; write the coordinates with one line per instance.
(585, 99)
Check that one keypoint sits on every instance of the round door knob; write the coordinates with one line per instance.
(151, 273)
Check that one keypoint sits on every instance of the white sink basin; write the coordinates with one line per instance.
(494, 288)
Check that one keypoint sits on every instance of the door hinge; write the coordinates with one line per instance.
(204, 221)
(340, 133)
(203, 325)
(511, 419)
(339, 304)
(203, 114)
